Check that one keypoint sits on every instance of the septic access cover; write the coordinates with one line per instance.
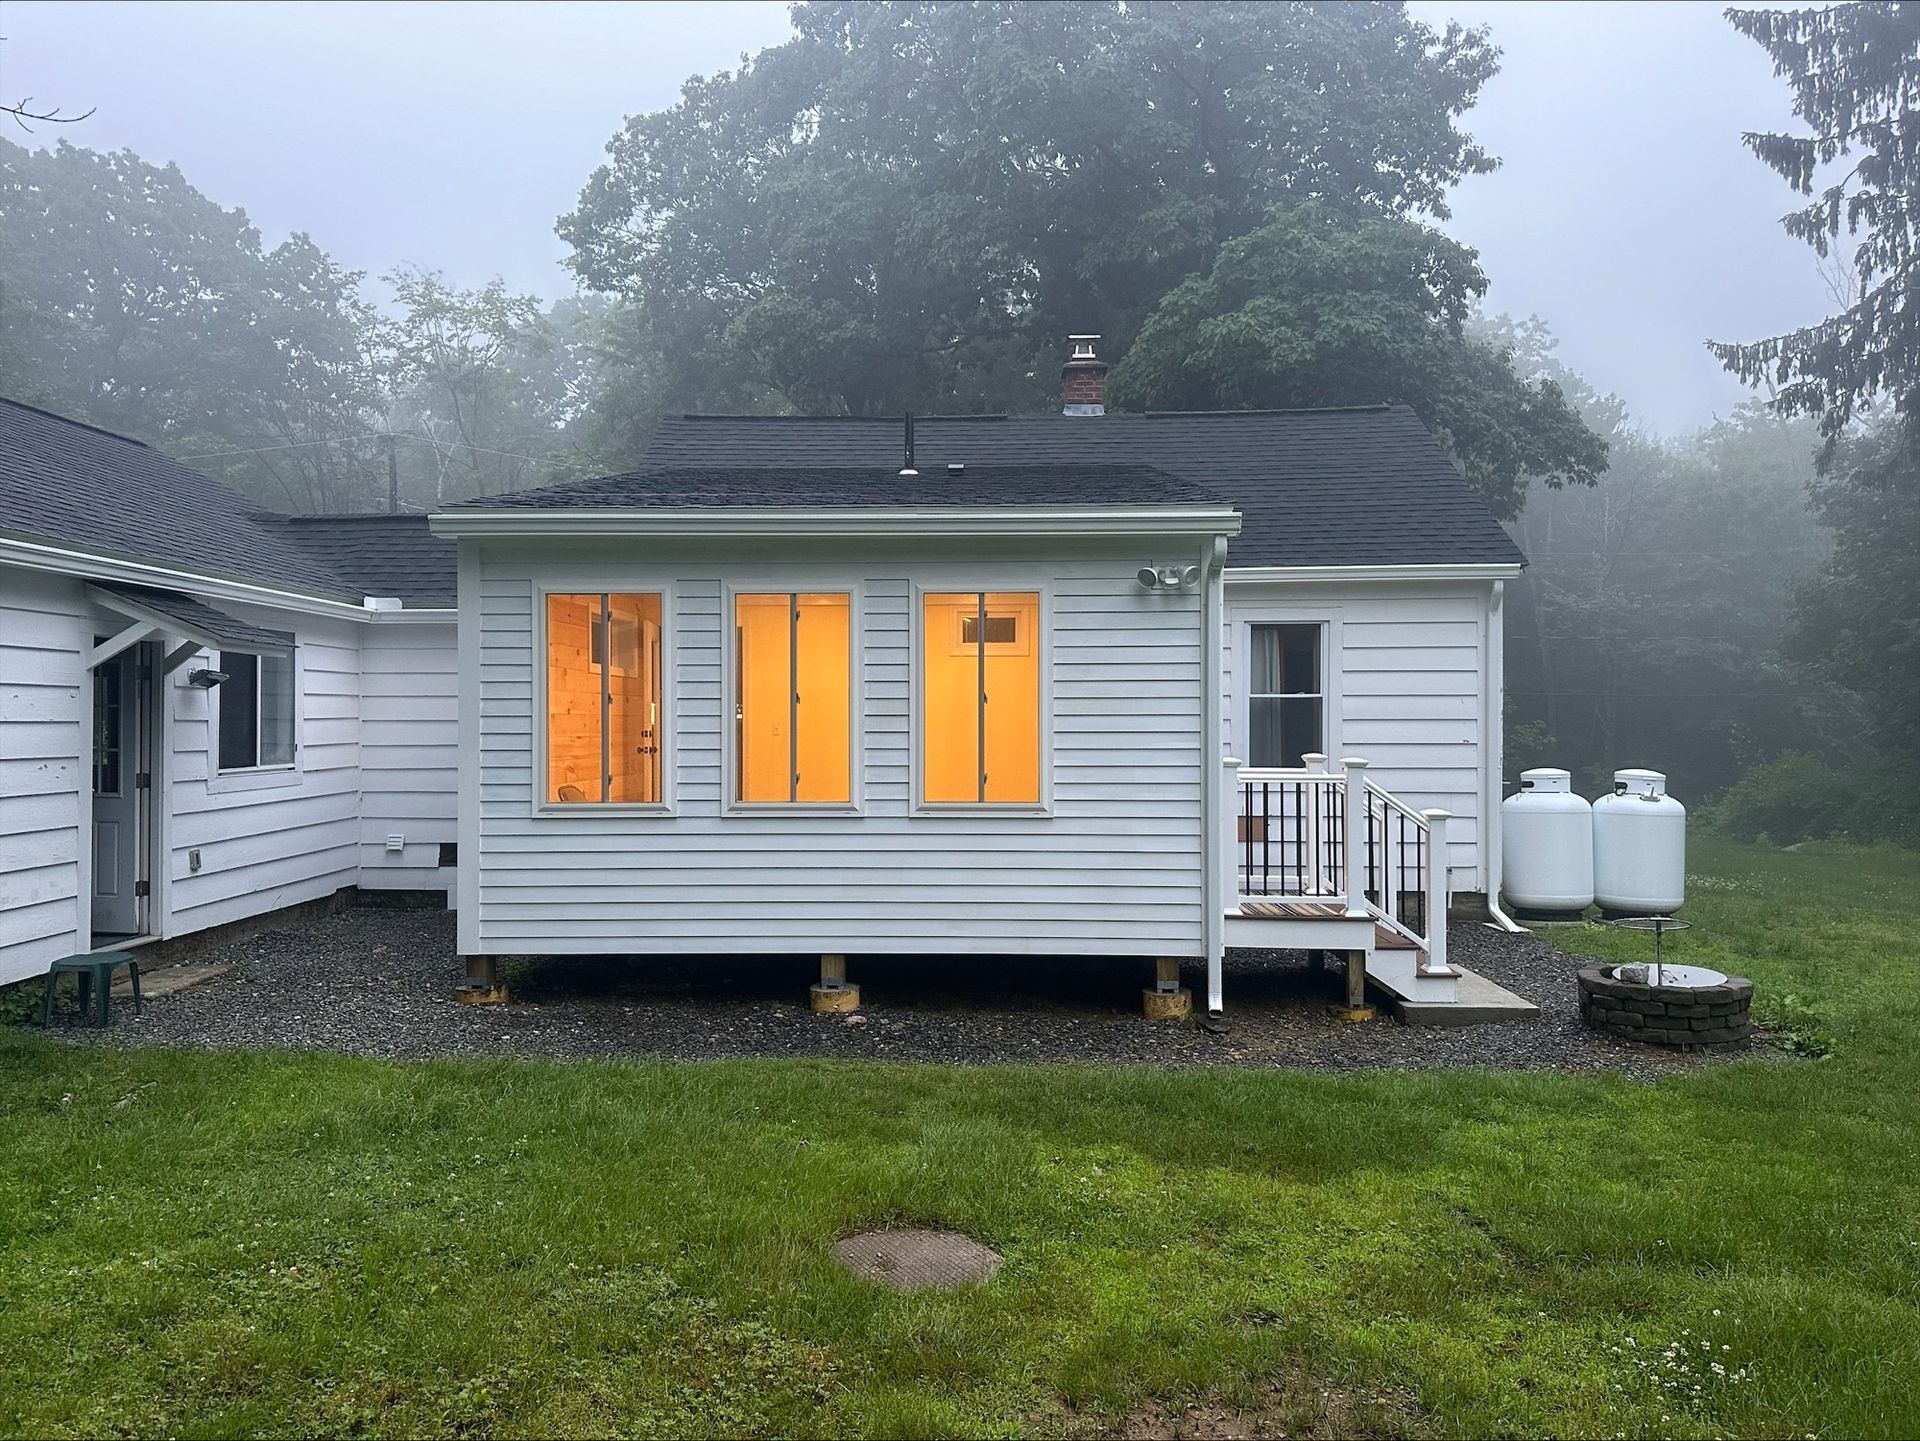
(911, 1259)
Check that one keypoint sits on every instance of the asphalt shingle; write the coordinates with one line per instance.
(1362, 486)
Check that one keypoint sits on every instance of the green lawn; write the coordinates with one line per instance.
(209, 1245)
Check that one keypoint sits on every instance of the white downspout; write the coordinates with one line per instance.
(1496, 634)
(1214, 931)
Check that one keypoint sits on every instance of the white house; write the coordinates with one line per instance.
(136, 800)
(1060, 684)
(1041, 685)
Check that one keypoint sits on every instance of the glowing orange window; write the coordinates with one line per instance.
(980, 698)
(793, 706)
(605, 728)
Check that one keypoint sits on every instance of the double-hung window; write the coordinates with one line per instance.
(605, 726)
(793, 698)
(256, 711)
(980, 698)
(1287, 698)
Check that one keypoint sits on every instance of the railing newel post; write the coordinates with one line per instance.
(1356, 807)
(1435, 904)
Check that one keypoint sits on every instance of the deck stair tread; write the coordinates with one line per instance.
(1294, 910)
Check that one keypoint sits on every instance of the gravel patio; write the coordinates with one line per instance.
(379, 982)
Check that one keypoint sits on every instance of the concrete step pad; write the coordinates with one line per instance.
(1477, 1001)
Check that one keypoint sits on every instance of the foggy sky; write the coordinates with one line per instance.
(1627, 214)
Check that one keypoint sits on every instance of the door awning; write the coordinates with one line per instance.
(191, 620)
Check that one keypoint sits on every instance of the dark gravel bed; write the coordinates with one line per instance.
(377, 982)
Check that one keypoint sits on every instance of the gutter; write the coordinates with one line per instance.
(85, 565)
(1239, 575)
(891, 524)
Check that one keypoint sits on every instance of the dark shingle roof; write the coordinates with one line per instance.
(1364, 486)
(718, 487)
(71, 484)
(382, 554)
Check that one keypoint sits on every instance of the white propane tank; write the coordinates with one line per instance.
(1547, 841)
(1639, 847)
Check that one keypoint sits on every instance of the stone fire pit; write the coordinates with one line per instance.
(1678, 1015)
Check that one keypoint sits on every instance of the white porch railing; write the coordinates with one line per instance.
(1290, 841)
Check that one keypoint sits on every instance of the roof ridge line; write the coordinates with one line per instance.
(78, 424)
(1366, 408)
(867, 419)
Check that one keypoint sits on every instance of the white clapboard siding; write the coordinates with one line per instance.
(409, 754)
(1406, 689)
(1117, 868)
(269, 839)
(45, 627)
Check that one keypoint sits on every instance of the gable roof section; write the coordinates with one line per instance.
(72, 486)
(1361, 486)
(852, 486)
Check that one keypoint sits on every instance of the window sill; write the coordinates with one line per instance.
(603, 808)
(793, 808)
(254, 778)
(982, 808)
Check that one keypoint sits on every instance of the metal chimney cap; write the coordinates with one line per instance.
(1083, 346)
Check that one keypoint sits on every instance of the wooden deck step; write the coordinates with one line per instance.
(1293, 910)
(1385, 938)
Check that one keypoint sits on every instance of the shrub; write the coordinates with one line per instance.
(1799, 796)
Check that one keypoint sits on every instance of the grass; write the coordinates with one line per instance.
(226, 1244)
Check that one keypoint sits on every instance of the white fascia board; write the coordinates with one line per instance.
(862, 521)
(61, 560)
(1267, 574)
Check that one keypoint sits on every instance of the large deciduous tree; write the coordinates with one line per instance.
(129, 299)
(910, 204)
(1319, 308)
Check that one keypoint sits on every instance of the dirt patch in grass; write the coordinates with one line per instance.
(1293, 1404)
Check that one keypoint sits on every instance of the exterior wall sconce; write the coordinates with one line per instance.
(205, 679)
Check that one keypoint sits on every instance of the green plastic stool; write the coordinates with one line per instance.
(96, 980)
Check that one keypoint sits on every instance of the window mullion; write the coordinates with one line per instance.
(980, 690)
(606, 696)
(793, 698)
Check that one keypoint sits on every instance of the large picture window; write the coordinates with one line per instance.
(793, 716)
(980, 698)
(604, 717)
(256, 711)
(1287, 698)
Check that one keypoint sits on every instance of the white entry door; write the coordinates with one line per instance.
(119, 796)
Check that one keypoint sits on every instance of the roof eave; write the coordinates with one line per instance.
(836, 521)
(1435, 570)
(83, 564)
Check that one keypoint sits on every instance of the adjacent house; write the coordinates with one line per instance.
(1141, 686)
(207, 711)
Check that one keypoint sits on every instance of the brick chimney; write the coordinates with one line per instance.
(1083, 379)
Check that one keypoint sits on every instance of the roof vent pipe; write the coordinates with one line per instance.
(907, 469)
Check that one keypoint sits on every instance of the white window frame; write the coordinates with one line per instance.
(974, 583)
(596, 584)
(1243, 618)
(215, 722)
(778, 583)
